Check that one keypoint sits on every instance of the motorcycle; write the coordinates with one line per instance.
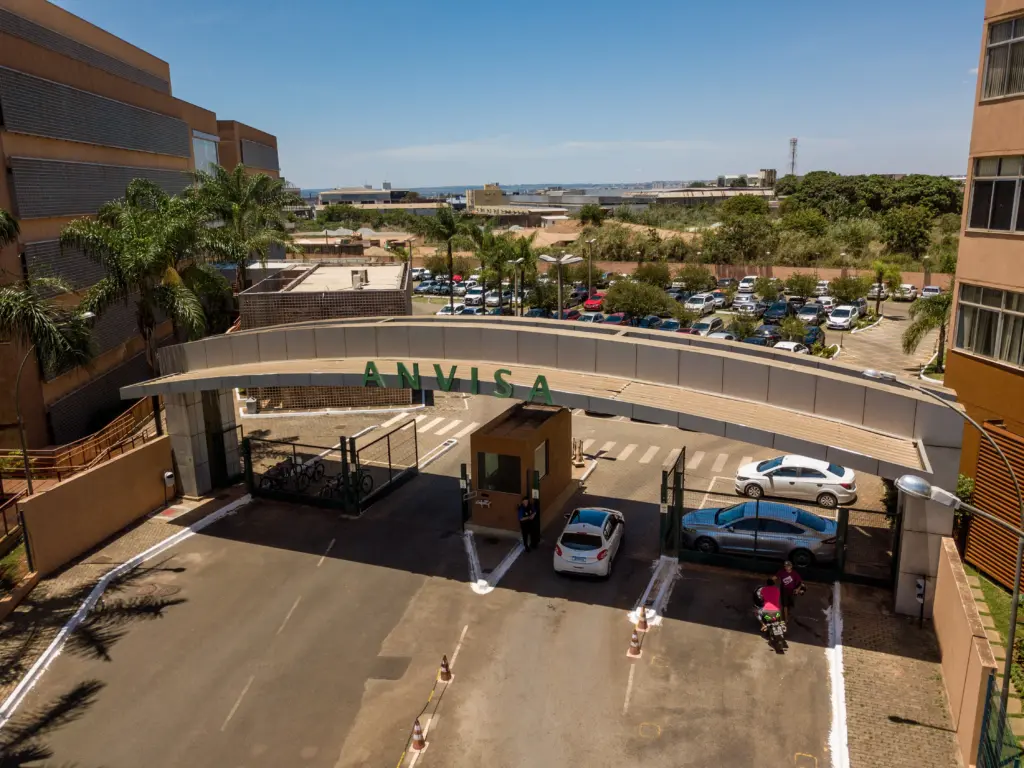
(776, 630)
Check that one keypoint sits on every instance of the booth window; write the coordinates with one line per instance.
(499, 473)
(540, 459)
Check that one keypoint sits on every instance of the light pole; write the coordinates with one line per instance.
(517, 285)
(845, 272)
(560, 261)
(943, 498)
(590, 266)
(927, 270)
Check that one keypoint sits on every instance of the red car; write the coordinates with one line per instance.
(595, 303)
(570, 314)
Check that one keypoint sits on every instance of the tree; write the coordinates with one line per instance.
(9, 229)
(801, 284)
(654, 273)
(591, 213)
(697, 184)
(807, 220)
(855, 235)
(742, 327)
(740, 240)
(792, 329)
(674, 249)
(685, 316)
(30, 314)
(545, 296)
(740, 181)
(846, 290)
(767, 288)
(695, 278)
(787, 185)
(251, 205)
(411, 196)
(150, 245)
(743, 205)
(637, 299)
(446, 227)
(908, 229)
(926, 315)
(888, 275)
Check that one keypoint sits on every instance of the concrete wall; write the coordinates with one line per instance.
(967, 660)
(71, 517)
(925, 524)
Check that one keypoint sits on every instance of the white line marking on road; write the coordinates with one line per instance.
(458, 647)
(606, 448)
(237, 703)
(626, 452)
(448, 427)
(719, 464)
(436, 453)
(838, 737)
(429, 426)
(587, 444)
(487, 586)
(672, 456)
(695, 460)
(746, 460)
(474, 559)
(629, 688)
(420, 420)
(296, 605)
(324, 555)
(649, 454)
(590, 470)
(466, 430)
(394, 420)
(711, 485)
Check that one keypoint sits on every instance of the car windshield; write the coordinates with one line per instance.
(701, 326)
(731, 514)
(670, 325)
(841, 313)
(812, 521)
(581, 541)
(764, 466)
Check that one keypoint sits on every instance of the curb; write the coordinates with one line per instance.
(920, 374)
(19, 593)
(868, 327)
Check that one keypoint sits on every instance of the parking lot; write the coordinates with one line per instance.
(305, 639)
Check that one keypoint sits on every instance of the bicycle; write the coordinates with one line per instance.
(333, 486)
(363, 480)
(313, 469)
(274, 478)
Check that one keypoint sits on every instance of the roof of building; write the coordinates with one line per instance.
(323, 278)
(701, 192)
(512, 210)
(355, 191)
(399, 206)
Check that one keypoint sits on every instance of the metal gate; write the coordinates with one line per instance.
(672, 485)
(998, 746)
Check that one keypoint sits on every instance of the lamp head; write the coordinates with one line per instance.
(545, 257)
(915, 486)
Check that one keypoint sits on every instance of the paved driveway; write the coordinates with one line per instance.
(881, 347)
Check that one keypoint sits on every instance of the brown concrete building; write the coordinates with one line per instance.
(82, 113)
(986, 357)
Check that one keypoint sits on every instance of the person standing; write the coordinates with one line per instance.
(791, 584)
(526, 525)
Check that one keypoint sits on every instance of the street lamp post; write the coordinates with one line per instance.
(517, 286)
(845, 272)
(560, 261)
(943, 497)
(590, 266)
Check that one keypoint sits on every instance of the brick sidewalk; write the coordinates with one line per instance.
(897, 712)
(30, 629)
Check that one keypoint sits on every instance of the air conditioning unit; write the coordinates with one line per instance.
(357, 279)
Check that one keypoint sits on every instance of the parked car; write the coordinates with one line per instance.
(906, 292)
(570, 314)
(842, 318)
(767, 528)
(590, 541)
(778, 312)
(459, 290)
(711, 325)
(424, 288)
(416, 273)
(930, 290)
(722, 300)
(796, 302)
(862, 306)
(760, 341)
(827, 303)
(591, 317)
(747, 284)
(670, 324)
(793, 346)
(449, 309)
(506, 310)
(769, 332)
(651, 321)
(689, 331)
(595, 302)
(814, 336)
(754, 309)
(821, 289)
(727, 335)
(878, 291)
(617, 318)
(539, 312)
(727, 282)
(798, 477)
(701, 303)
(475, 296)
(578, 295)
(471, 311)
(811, 314)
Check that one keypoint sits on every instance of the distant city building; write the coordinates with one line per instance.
(352, 195)
(491, 195)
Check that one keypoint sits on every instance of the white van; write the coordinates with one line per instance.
(747, 284)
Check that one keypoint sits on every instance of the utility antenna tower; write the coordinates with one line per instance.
(792, 157)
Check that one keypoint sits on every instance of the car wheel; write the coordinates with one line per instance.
(753, 491)
(827, 500)
(801, 558)
(705, 545)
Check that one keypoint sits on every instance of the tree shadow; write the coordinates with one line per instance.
(21, 741)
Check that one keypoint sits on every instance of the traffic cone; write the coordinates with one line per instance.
(445, 675)
(634, 646)
(418, 742)
(641, 624)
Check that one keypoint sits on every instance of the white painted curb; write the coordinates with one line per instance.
(868, 327)
(12, 702)
(920, 374)
(838, 737)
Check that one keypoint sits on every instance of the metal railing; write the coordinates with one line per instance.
(997, 746)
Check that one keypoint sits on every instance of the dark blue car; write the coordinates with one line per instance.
(814, 336)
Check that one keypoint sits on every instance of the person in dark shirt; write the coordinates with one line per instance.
(791, 584)
(526, 523)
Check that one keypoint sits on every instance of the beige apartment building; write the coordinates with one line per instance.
(986, 357)
(82, 113)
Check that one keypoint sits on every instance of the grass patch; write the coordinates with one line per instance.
(930, 371)
(999, 602)
(13, 566)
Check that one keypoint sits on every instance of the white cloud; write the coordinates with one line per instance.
(972, 71)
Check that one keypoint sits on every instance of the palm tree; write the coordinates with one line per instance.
(8, 228)
(446, 227)
(927, 315)
(151, 246)
(887, 275)
(251, 207)
(521, 250)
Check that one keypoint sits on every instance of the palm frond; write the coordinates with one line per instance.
(9, 229)
(182, 306)
(205, 281)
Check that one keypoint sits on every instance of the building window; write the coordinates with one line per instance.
(990, 323)
(996, 201)
(540, 459)
(1004, 59)
(204, 147)
(499, 472)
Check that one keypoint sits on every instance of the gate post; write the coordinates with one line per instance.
(663, 526)
(675, 520)
(465, 489)
(247, 458)
(842, 532)
(346, 477)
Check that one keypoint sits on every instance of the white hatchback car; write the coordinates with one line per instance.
(798, 477)
(930, 290)
(590, 541)
(449, 309)
(842, 318)
(792, 346)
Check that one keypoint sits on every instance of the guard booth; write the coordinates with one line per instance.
(525, 451)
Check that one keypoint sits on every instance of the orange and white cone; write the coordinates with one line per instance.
(418, 742)
(445, 675)
(634, 646)
(641, 622)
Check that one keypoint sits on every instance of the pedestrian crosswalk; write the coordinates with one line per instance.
(705, 463)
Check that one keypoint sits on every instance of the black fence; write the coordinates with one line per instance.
(998, 746)
(348, 476)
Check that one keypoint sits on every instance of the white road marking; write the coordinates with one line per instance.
(431, 424)
(838, 737)
(458, 647)
(324, 555)
(448, 427)
(626, 452)
(294, 606)
(237, 703)
(746, 460)
(629, 689)
(607, 447)
(649, 454)
(711, 485)
(466, 430)
(394, 420)
(587, 444)
(695, 460)
(420, 420)
(719, 464)
(672, 456)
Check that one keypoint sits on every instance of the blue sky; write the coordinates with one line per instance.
(459, 92)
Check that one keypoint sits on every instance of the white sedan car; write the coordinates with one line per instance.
(448, 309)
(798, 477)
(842, 318)
(792, 346)
(591, 540)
